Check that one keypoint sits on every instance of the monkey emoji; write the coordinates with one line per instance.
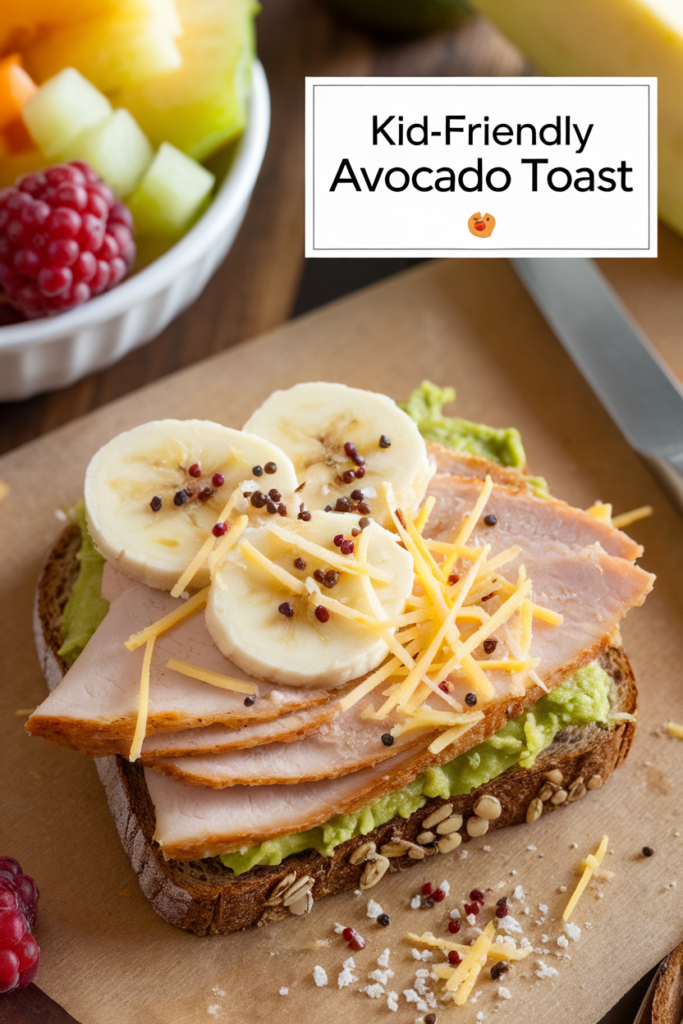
(481, 227)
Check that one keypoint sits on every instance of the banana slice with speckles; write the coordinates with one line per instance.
(345, 443)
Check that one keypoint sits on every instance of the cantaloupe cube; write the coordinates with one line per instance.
(117, 149)
(170, 195)
(63, 108)
(113, 51)
(16, 87)
(203, 104)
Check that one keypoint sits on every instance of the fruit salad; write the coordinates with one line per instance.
(136, 91)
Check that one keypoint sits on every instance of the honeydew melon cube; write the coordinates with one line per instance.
(116, 50)
(171, 194)
(117, 149)
(63, 108)
(203, 104)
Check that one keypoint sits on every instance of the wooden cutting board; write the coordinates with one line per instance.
(106, 957)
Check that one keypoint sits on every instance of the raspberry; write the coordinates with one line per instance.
(64, 238)
(19, 953)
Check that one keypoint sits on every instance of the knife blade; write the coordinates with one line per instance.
(616, 358)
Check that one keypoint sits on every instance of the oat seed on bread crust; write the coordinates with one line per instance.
(204, 897)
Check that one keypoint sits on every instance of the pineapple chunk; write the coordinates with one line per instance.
(117, 149)
(21, 21)
(114, 51)
(611, 37)
(203, 104)
(170, 195)
(62, 109)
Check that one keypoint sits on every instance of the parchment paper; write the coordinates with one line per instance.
(106, 956)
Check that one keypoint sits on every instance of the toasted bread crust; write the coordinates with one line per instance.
(204, 897)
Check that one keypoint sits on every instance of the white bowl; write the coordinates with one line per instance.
(42, 355)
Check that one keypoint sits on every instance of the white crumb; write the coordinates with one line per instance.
(543, 908)
(471, 919)
(392, 1001)
(357, 892)
(524, 943)
(218, 991)
(374, 909)
(214, 1009)
(480, 1015)
(319, 976)
(381, 976)
(513, 872)
(463, 854)
(445, 887)
(532, 848)
(573, 930)
(573, 846)
(504, 993)
(374, 991)
(544, 971)
(346, 976)
(544, 938)
(563, 941)
(284, 991)
(415, 903)
(487, 849)
(322, 942)
(519, 894)
(383, 958)
(339, 928)
(509, 924)
(455, 914)
(527, 911)
(412, 997)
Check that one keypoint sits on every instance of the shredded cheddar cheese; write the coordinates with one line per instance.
(626, 518)
(591, 863)
(184, 610)
(143, 702)
(675, 730)
(497, 951)
(206, 675)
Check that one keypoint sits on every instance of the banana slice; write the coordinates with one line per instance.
(342, 441)
(285, 604)
(153, 494)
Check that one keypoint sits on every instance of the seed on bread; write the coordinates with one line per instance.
(366, 851)
(452, 824)
(374, 871)
(559, 797)
(477, 826)
(449, 843)
(399, 847)
(556, 776)
(440, 814)
(547, 791)
(577, 790)
(534, 810)
(488, 807)
(594, 782)
(280, 889)
(297, 890)
(425, 838)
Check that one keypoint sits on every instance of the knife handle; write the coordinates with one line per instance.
(669, 472)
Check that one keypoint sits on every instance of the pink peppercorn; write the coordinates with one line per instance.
(427, 889)
(346, 547)
(438, 895)
(357, 942)
(348, 934)
(502, 910)
(195, 470)
(339, 540)
(454, 957)
(220, 529)
(217, 479)
(454, 927)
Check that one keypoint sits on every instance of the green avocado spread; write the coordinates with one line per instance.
(584, 697)
(86, 607)
(425, 406)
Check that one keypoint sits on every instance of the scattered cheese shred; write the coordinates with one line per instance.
(4, 490)
(206, 675)
(497, 951)
(186, 609)
(626, 518)
(143, 703)
(369, 684)
(471, 519)
(204, 551)
(471, 962)
(207, 550)
(424, 513)
(251, 554)
(602, 511)
(592, 863)
(675, 729)
(448, 737)
(344, 562)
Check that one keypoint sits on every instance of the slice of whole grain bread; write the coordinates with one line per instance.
(205, 897)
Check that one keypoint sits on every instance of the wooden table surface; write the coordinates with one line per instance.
(265, 279)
